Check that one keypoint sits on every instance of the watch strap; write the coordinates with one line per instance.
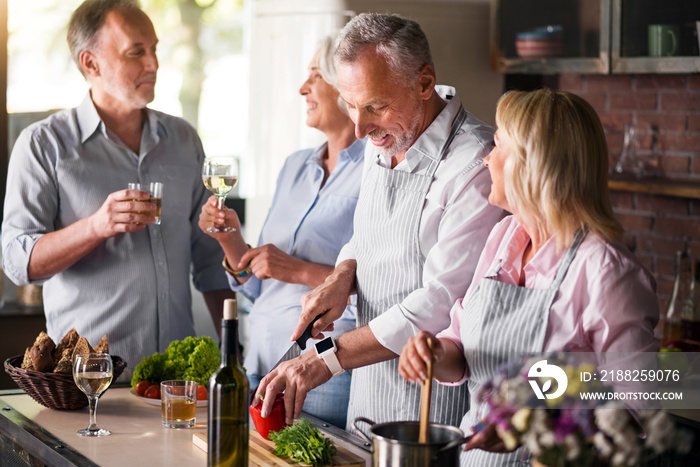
(332, 362)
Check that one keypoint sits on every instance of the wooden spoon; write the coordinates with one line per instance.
(424, 427)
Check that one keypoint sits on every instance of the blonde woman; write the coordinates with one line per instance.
(554, 274)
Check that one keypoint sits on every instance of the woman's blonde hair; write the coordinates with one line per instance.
(556, 178)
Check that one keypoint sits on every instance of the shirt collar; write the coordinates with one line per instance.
(88, 118)
(353, 152)
(544, 263)
(429, 143)
(89, 122)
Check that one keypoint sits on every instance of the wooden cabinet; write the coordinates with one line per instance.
(599, 36)
(19, 326)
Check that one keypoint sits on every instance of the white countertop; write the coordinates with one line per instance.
(138, 436)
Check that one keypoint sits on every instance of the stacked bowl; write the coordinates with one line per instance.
(546, 41)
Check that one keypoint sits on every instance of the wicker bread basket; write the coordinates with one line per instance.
(53, 390)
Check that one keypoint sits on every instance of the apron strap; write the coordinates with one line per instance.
(568, 258)
(454, 129)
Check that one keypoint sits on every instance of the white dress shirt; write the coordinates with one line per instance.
(455, 223)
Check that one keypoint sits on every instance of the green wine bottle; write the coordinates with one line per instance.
(227, 429)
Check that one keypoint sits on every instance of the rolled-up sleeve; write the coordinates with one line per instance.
(31, 202)
(449, 265)
(346, 253)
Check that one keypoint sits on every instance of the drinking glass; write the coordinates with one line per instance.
(92, 373)
(178, 402)
(220, 176)
(155, 189)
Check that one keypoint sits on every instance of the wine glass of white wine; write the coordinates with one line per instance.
(92, 373)
(220, 176)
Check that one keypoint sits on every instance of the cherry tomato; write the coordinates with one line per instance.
(202, 393)
(153, 392)
(141, 387)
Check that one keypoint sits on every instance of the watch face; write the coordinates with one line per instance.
(325, 344)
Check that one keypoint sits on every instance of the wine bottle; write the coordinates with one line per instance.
(679, 298)
(227, 429)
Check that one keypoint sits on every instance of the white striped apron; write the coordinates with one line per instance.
(389, 268)
(501, 322)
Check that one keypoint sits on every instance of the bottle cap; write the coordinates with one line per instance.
(230, 308)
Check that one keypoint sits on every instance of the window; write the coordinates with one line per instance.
(202, 77)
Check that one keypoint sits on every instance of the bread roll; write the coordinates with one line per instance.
(65, 363)
(41, 352)
(67, 342)
(82, 346)
(103, 345)
(27, 361)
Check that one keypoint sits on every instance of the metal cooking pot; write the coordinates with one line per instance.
(396, 444)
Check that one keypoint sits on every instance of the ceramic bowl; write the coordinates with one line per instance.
(546, 41)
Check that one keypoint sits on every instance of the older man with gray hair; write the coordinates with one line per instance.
(421, 222)
(71, 224)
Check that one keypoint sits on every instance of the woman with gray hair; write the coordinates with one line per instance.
(310, 219)
(553, 276)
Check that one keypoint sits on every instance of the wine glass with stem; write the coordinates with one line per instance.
(92, 373)
(220, 176)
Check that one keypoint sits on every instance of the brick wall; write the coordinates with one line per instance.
(665, 109)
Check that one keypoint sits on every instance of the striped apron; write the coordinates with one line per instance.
(501, 322)
(389, 268)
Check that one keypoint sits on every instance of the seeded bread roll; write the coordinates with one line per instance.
(103, 345)
(82, 346)
(67, 342)
(65, 363)
(27, 361)
(41, 352)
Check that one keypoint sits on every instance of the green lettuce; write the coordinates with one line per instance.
(193, 358)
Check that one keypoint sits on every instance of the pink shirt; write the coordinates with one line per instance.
(606, 302)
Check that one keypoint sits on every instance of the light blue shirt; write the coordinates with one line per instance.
(134, 287)
(311, 223)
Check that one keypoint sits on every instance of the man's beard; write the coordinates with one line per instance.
(401, 141)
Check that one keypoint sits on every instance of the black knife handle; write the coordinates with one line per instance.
(306, 335)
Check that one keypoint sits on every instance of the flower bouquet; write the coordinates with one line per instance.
(566, 430)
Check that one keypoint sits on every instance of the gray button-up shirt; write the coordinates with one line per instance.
(134, 287)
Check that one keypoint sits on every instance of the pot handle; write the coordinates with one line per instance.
(452, 444)
(354, 427)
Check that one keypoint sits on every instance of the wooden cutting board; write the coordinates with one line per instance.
(262, 452)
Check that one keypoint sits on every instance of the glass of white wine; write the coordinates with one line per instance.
(220, 176)
(92, 373)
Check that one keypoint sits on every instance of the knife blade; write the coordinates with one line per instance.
(298, 345)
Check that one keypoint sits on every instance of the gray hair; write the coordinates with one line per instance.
(87, 20)
(325, 60)
(400, 41)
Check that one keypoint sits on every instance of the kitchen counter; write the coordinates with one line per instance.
(30, 431)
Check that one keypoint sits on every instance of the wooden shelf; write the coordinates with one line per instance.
(679, 189)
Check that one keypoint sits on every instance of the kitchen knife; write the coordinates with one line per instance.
(299, 344)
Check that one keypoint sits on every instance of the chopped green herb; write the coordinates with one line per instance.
(303, 442)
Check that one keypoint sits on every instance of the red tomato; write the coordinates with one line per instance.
(141, 387)
(153, 392)
(275, 422)
(202, 393)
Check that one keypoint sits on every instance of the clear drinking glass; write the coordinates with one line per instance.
(155, 189)
(178, 402)
(220, 176)
(92, 373)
